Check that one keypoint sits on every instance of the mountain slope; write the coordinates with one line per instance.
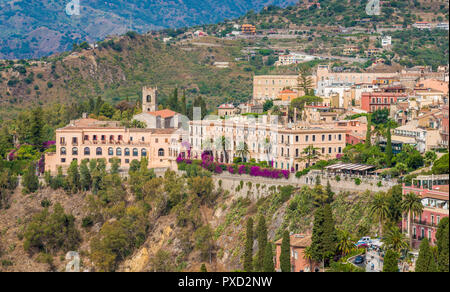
(35, 28)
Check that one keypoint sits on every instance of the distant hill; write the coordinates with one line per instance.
(35, 28)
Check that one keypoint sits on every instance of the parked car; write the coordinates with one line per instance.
(359, 260)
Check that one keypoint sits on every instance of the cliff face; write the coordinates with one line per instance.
(173, 247)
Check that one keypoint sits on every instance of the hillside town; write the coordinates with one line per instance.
(312, 136)
(291, 123)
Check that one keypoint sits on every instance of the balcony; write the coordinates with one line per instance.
(424, 223)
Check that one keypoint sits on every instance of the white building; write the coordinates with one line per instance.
(386, 41)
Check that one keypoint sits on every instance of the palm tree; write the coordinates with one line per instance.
(379, 209)
(222, 144)
(242, 150)
(345, 243)
(310, 153)
(395, 240)
(267, 148)
(411, 204)
(307, 255)
(304, 81)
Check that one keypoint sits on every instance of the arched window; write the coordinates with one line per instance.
(63, 150)
(98, 151)
(143, 152)
(127, 152)
(87, 151)
(119, 151)
(110, 151)
(74, 151)
(149, 98)
(135, 152)
(161, 152)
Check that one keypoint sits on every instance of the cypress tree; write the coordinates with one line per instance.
(268, 259)
(85, 176)
(388, 147)
(390, 262)
(330, 194)
(183, 108)
(330, 234)
(285, 255)
(324, 236)
(36, 127)
(425, 262)
(73, 177)
(442, 242)
(30, 181)
(203, 269)
(173, 100)
(248, 255)
(261, 233)
(369, 131)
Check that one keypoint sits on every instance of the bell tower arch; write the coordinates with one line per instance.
(149, 99)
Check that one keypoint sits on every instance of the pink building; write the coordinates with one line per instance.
(372, 101)
(299, 242)
(434, 193)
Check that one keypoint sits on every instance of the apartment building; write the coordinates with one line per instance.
(434, 192)
(372, 101)
(267, 87)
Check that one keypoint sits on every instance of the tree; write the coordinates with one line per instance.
(425, 262)
(173, 101)
(388, 147)
(345, 243)
(204, 241)
(285, 255)
(442, 242)
(309, 153)
(183, 107)
(248, 255)
(36, 127)
(268, 259)
(390, 261)
(394, 201)
(304, 81)
(395, 240)
(261, 235)
(324, 237)
(73, 177)
(85, 176)
(307, 255)
(268, 104)
(379, 209)
(412, 205)
(30, 181)
(242, 150)
(203, 269)
(368, 132)
(441, 165)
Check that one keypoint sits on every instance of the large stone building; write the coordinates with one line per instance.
(266, 140)
(267, 87)
(88, 138)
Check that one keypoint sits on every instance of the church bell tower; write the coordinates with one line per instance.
(149, 99)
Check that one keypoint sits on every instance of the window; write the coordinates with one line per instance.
(63, 160)
(127, 152)
(306, 138)
(127, 160)
(314, 138)
(74, 151)
(99, 151)
(62, 140)
(94, 138)
(329, 150)
(111, 138)
(161, 152)
(422, 233)
(63, 150)
(329, 138)
(340, 150)
(119, 151)
(296, 152)
(74, 140)
(135, 152)
(143, 152)
(296, 138)
(86, 137)
(323, 137)
(429, 234)
(87, 151)
(340, 137)
(110, 151)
